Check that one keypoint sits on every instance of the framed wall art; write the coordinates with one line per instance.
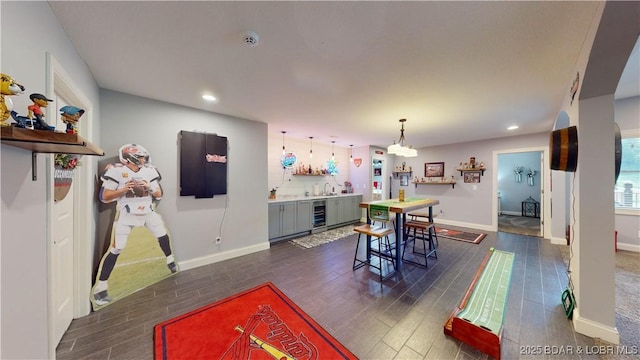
(472, 176)
(434, 169)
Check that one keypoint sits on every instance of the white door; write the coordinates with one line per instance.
(69, 221)
(61, 253)
(61, 257)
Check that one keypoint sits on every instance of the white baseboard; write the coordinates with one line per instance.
(440, 221)
(594, 329)
(628, 247)
(214, 258)
(514, 213)
(558, 241)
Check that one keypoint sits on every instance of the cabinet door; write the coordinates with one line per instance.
(303, 216)
(288, 218)
(343, 210)
(275, 229)
(355, 212)
(332, 212)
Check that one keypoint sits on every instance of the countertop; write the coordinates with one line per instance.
(283, 198)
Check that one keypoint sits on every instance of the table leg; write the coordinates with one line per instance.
(431, 230)
(399, 236)
(368, 238)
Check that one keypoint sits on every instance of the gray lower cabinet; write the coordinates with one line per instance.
(343, 210)
(304, 216)
(355, 212)
(296, 217)
(282, 219)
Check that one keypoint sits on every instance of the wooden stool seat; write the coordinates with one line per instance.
(426, 236)
(376, 233)
(419, 214)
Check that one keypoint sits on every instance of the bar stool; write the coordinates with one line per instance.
(424, 216)
(380, 237)
(425, 236)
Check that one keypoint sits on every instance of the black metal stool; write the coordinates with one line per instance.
(378, 234)
(424, 216)
(425, 236)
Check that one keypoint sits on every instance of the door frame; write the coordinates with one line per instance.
(58, 81)
(545, 228)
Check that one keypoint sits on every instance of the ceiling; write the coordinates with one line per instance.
(346, 71)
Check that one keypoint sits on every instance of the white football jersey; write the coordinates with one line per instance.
(117, 176)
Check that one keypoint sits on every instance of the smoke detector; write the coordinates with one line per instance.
(250, 38)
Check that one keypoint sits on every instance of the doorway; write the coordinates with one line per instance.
(519, 191)
(68, 244)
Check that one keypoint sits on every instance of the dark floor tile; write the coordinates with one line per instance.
(401, 318)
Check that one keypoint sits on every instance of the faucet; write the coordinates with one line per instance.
(325, 188)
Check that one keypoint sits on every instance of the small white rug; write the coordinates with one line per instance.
(324, 237)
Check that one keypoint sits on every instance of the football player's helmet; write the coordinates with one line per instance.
(132, 153)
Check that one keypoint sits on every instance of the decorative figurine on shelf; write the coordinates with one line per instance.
(9, 87)
(35, 111)
(70, 116)
(472, 162)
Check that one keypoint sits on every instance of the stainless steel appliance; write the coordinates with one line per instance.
(319, 209)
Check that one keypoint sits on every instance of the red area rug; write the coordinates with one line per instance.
(259, 323)
(460, 235)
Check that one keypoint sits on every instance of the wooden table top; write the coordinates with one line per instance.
(397, 206)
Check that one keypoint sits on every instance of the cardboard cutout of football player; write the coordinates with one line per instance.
(134, 184)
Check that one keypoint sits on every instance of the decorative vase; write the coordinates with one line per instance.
(518, 177)
(62, 179)
(530, 180)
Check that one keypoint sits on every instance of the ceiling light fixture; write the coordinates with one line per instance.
(351, 153)
(399, 148)
(283, 132)
(310, 146)
(209, 97)
(512, 127)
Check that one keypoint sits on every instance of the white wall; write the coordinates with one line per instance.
(514, 193)
(194, 223)
(29, 31)
(287, 184)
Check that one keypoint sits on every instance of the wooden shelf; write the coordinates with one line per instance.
(448, 182)
(462, 171)
(43, 141)
(318, 175)
(48, 142)
(397, 173)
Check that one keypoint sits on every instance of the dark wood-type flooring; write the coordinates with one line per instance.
(402, 318)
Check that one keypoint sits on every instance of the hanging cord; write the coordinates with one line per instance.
(572, 231)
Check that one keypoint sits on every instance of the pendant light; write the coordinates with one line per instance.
(351, 153)
(310, 146)
(399, 148)
(283, 150)
(333, 157)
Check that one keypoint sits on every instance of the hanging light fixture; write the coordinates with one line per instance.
(283, 132)
(399, 148)
(333, 157)
(351, 153)
(310, 146)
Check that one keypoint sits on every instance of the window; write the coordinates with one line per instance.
(627, 189)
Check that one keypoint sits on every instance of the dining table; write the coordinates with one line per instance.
(401, 209)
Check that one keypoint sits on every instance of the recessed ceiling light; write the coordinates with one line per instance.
(512, 127)
(209, 97)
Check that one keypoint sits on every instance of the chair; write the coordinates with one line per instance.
(426, 235)
(424, 216)
(379, 242)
